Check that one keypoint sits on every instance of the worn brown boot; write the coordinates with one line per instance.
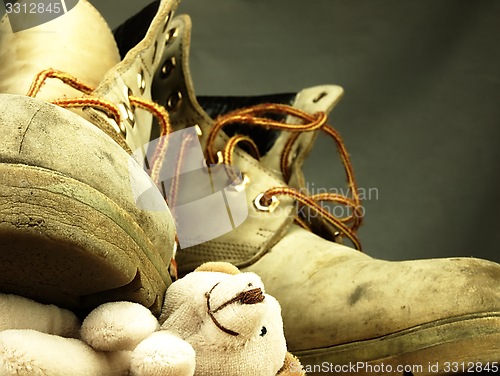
(343, 311)
(71, 232)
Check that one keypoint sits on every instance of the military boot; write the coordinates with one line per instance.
(71, 113)
(343, 311)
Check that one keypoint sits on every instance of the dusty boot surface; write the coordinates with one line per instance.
(340, 306)
(71, 232)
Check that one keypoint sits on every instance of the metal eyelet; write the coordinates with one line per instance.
(168, 67)
(141, 81)
(337, 236)
(166, 22)
(271, 208)
(120, 128)
(199, 132)
(117, 128)
(220, 160)
(126, 112)
(171, 35)
(174, 101)
(127, 91)
(127, 115)
(242, 184)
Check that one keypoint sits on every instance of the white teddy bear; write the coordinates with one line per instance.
(215, 321)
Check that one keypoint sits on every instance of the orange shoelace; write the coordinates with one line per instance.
(252, 115)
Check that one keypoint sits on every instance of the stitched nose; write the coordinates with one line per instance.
(253, 296)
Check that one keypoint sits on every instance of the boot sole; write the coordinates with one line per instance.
(63, 242)
(460, 345)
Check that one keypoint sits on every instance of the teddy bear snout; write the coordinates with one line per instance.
(245, 288)
(241, 313)
(253, 296)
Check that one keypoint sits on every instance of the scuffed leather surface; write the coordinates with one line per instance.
(66, 44)
(55, 139)
(332, 294)
(122, 80)
(133, 31)
(307, 272)
(260, 231)
(419, 117)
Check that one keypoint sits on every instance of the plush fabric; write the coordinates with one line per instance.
(213, 323)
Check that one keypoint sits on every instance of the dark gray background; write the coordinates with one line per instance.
(420, 116)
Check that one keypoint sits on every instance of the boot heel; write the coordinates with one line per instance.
(64, 242)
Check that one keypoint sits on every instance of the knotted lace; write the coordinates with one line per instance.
(253, 115)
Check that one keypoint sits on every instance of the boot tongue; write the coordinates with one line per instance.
(79, 43)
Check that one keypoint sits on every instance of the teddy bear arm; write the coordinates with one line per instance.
(163, 353)
(118, 326)
(30, 353)
(17, 312)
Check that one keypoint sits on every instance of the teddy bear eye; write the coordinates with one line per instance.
(263, 331)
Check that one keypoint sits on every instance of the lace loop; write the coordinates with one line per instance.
(349, 232)
(251, 116)
(69, 80)
(108, 107)
(268, 201)
(229, 150)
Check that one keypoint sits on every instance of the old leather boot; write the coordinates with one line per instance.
(70, 230)
(343, 311)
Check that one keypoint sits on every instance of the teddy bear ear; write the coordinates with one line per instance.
(221, 267)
